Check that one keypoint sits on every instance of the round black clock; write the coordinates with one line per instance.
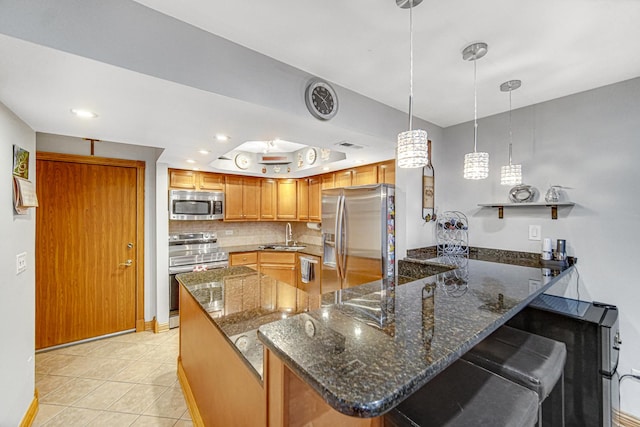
(321, 99)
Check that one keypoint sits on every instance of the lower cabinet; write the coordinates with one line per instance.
(279, 265)
(249, 259)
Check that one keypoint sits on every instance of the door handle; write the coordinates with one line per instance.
(126, 264)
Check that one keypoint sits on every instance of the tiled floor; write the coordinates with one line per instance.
(128, 380)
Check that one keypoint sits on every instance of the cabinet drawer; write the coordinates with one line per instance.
(278, 257)
(243, 258)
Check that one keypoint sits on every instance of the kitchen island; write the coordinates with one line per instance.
(347, 357)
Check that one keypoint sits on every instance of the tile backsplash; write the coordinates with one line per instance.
(249, 233)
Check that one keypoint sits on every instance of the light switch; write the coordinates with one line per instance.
(21, 262)
(534, 232)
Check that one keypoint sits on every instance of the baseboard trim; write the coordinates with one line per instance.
(626, 420)
(30, 415)
(149, 326)
(196, 418)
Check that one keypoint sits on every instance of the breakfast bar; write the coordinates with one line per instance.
(352, 355)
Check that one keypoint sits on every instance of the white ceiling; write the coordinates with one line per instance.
(556, 47)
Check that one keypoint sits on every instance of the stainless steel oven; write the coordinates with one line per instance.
(186, 205)
(188, 252)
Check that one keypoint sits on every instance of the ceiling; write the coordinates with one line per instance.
(555, 47)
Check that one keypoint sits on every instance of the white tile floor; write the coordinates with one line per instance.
(128, 380)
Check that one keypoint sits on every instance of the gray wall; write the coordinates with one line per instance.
(17, 292)
(72, 145)
(589, 142)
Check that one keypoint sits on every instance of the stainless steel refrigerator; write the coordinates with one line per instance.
(358, 235)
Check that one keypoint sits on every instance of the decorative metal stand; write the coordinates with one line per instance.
(452, 234)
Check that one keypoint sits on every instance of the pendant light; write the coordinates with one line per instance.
(412, 150)
(476, 164)
(510, 174)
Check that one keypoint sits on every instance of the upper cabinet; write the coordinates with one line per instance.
(328, 180)
(287, 199)
(315, 199)
(303, 199)
(268, 199)
(343, 178)
(242, 198)
(193, 180)
(387, 172)
(365, 175)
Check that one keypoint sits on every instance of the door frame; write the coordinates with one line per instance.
(140, 170)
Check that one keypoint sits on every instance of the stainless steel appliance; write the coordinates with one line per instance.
(189, 252)
(358, 235)
(196, 205)
(590, 332)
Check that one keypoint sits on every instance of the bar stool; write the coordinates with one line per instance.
(465, 395)
(530, 360)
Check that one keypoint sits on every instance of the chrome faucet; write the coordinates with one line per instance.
(288, 236)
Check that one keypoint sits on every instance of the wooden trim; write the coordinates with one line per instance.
(196, 418)
(140, 171)
(162, 327)
(32, 411)
(150, 325)
(625, 420)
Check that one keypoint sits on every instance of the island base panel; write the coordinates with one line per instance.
(291, 402)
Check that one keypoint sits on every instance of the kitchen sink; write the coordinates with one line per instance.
(281, 247)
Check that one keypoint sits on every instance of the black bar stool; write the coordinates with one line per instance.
(530, 360)
(465, 395)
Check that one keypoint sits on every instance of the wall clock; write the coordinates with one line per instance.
(321, 99)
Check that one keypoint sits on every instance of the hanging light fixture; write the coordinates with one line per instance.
(510, 174)
(412, 144)
(476, 164)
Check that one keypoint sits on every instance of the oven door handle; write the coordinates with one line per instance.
(189, 268)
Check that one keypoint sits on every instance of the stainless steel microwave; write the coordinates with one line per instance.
(186, 205)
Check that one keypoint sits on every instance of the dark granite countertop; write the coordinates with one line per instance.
(370, 347)
(238, 300)
(308, 249)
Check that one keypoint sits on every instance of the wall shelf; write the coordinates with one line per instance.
(501, 206)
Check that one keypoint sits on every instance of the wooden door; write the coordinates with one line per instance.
(343, 179)
(268, 197)
(315, 199)
(233, 198)
(327, 181)
(211, 181)
(303, 199)
(251, 198)
(89, 254)
(182, 180)
(365, 175)
(287, 199)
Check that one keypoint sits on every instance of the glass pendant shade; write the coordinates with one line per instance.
(476, 165)
(511, 175)
(413, 151)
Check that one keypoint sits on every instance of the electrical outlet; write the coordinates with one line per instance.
(21, 262)
(535, 231)
(228, 232)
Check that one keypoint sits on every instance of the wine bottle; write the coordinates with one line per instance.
(428, 188)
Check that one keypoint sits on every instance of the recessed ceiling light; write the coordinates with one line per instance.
(196, 169)
(220, 137)
(204, 152)
(83, 114)
(326, 168)
(190, 161)
(358, 161)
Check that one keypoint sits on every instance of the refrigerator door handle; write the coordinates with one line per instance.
(339, 236)
(343, 240)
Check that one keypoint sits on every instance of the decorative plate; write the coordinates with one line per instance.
(522, 194)
(242, 161)
(310, 156)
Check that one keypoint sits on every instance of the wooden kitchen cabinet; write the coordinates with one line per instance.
(268, 199)
(248, 259)
(315, 199)
(279, 265)
(365, 175)
(328, 180)
(242, 198)
(303, 199)
(192, 180)
(344, 178)
(387, 172)
(287, 196)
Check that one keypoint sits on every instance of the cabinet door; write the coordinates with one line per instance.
(281, 272)
(268, 197)
(315, 199)
(251, 198)
(387, 172)
(287, 199)
(327, 181)
(343, 179)
(211, 181)
(365, 175)
(250, 259)
(233, 198)
(303, 199)
(181, 179)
